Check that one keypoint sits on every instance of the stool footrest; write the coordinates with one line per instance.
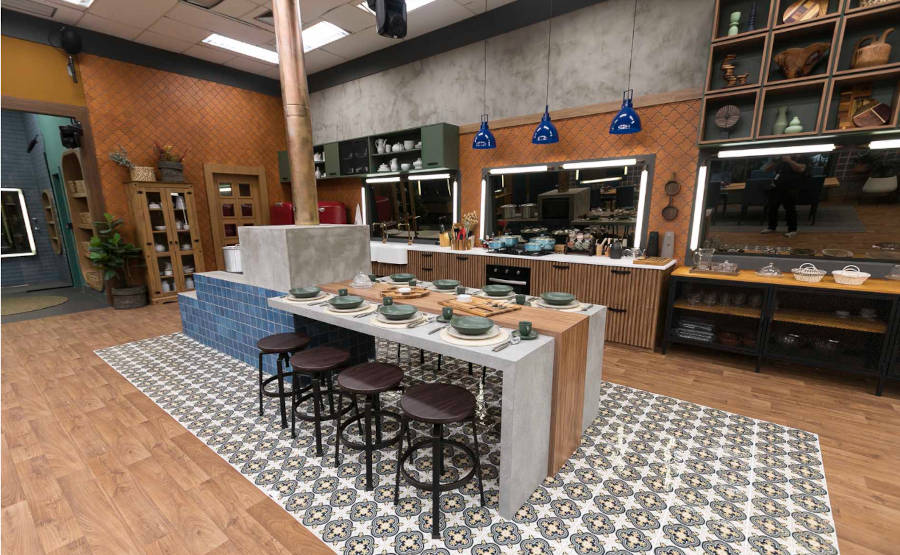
(361, 417)
(427, 486)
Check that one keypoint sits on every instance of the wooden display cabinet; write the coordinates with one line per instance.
(833, 11)
(750, 55)
(801, 36)
(165, 218)
(53, 232)
(804, 100)
(746, 126)
(872, 21)
(853, 6)
(79, 202)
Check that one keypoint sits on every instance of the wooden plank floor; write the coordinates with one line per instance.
(90, 465)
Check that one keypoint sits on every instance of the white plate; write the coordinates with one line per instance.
(540, 302)
(491, 333)
(414, 318)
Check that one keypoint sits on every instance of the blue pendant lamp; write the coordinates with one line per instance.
(545, 133)
(627, 120)
(484, 139)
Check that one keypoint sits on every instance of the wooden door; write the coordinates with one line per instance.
(237, 197)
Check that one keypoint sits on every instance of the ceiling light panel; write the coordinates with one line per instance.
(31, 8)
(244, 48)
(320, 34)
(80, 3)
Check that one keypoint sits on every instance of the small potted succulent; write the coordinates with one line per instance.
(114, 256)
(171, 169)
(136, 173)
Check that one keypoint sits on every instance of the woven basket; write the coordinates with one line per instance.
(808, 273)
(870, 3)
(143, 173)
(850, 275)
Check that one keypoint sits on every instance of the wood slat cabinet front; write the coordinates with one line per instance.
(467, 268)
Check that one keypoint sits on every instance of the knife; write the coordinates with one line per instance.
(587, 307)
(420, 323)
(435, 330)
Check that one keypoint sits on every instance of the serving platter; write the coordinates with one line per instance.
(480, 307)
(415, 293)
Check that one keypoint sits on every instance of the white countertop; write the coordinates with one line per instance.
(562, 258)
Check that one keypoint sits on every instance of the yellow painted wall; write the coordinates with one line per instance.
(35, 71)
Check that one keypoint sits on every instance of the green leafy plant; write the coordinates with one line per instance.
(110, 253)
(120, 157)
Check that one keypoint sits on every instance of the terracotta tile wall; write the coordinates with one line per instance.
(670, 132)
(135, 106)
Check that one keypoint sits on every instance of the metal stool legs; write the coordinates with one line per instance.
(281, 363)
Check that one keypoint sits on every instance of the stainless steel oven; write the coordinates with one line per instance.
(519, 278)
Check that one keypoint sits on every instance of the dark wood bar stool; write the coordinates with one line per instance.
(437, 404)
(318, 364)
(284, 345)
(370, 380)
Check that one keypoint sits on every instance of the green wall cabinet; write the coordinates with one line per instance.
(440, 146)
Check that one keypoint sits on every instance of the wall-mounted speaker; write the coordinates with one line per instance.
(390, 17)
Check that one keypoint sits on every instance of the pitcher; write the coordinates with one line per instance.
(380, 145)
(703, 258)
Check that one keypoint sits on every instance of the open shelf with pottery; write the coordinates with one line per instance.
(791, 105)
(848, 91)
(857, 6)
(719, 112)
(797, 12)
(736, 63)
(870, 41)
(801, 52)
(746, 25)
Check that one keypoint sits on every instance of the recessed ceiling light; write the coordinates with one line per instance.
(410, 5)
(244, 48)
(80, 3)
(321, 34)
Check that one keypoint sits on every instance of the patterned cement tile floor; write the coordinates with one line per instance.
(653, 474)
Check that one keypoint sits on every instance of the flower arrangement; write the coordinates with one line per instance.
(166, 153)
(120, 157)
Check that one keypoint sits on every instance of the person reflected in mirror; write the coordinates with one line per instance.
(790, 171)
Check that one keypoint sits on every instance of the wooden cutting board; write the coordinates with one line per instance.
(481, 307)
(416, 293)
(654, 261)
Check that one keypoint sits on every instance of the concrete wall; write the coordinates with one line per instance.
(588, 65)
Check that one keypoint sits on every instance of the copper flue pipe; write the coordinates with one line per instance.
(295, 98)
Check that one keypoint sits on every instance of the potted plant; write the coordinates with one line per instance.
(171, 170)
(111, 254)
(136, 173)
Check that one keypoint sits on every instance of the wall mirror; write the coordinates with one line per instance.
(416, 205)
(17, 239)
(607, 198)
(843, 204)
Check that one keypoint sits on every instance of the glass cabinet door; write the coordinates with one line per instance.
(161, 267)
(183, 247)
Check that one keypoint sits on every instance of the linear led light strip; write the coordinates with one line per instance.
(383, 179)
(775, 151)
(600, 164)
(455, 202)
(699, 199)
(520, 169)
(642, 198)
(601, 180)
(887, 143)
(362, 196)
(483, 210)
(428, 176)
(318, 35)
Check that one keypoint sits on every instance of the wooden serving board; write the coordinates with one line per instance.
(653, 261)
(417, 292)
(481, 307)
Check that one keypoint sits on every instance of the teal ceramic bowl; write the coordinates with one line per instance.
(345, 302)
(471, 325)
(397, 311)
(557, 298)
(497, 290)
(305, 292)
(402, 277)
(445, 283)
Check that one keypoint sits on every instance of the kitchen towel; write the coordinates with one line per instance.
(389, 253)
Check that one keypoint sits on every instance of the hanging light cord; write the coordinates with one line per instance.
(631, 53)
(549, 34)
(484, 111)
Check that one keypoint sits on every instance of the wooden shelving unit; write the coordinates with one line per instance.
(813, 97)
(79, 201)
(742, 311)
(811, 318)
(52, 220)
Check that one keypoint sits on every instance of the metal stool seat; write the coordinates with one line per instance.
(437, 404)
(318, 364)
(369, 379)
(284, 345)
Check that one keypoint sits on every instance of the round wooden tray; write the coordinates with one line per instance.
(416, 293)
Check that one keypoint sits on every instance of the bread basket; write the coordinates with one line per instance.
(808, 273)
(850, 275)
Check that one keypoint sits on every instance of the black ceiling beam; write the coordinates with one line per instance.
(504, 19)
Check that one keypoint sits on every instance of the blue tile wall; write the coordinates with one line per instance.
(231, 317)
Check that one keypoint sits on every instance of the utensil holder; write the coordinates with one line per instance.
(461, 244)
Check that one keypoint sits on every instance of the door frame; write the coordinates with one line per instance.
(89, 167)
(209, 171)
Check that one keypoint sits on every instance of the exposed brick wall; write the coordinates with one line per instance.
(135, 106)
(670, 132)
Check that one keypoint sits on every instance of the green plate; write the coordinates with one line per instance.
(497, 290)
(445, 283)
(397, 311)
(557, 298)
(305, 292)
(471, 325)
(402, 277)
(345, 302)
